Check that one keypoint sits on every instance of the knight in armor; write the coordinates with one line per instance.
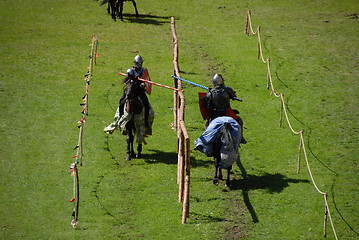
(132, 74)
(137, 71)
(218, 101)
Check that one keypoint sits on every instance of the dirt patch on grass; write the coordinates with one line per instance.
(239, 224)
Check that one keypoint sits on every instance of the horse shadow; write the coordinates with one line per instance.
(146, 19)
(273, 183)
(157, 156)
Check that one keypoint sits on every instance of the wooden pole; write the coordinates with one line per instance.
(187, 173)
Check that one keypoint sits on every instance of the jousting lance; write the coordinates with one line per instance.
(154, 83)
(195, 84)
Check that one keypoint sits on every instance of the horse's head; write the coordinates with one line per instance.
(133, 102)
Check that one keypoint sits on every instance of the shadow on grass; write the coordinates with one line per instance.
(206, 218)
(308, 138)
(160, 157)
(339, 212)
(274, 183)
(171, 158)
(147, 19)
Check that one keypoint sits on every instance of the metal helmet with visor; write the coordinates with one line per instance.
(217, 80)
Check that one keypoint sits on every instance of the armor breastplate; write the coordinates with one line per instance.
(139, 73)
(220, 99)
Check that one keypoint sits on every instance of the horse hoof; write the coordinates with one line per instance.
(128, 158)
(138, 155)
(228, 184)
(215, 181)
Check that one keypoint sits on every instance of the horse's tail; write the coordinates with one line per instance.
(227, 137)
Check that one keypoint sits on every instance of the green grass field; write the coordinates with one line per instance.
(313, 46)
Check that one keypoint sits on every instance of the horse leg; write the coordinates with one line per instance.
(216, 178)
(117, 5)
(139, 150)
(108, 7)
(228, 181)
(130, 152)
(113, 9)
(135, 6)
(121, 9)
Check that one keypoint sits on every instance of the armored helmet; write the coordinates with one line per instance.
(217, 80)
(138, 61)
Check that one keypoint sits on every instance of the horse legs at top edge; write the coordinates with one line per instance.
(135, 6)
(112, 4)
(120, 15)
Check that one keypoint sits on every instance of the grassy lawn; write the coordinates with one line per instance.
(44, 53)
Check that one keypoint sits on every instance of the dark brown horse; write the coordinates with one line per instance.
(115, 8)
(133, 116)
(132, 106)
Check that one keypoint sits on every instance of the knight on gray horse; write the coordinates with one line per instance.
(224, 132)
(221, 141)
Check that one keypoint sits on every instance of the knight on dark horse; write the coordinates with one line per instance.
(134, 113)
(224, 132)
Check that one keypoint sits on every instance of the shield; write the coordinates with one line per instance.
(202, 107)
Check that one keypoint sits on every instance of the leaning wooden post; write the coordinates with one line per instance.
(325, 215)
(185, 205)
(181, 147)
(300, 149)
(180, 166)
(281, 110)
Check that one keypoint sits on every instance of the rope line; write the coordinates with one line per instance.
(283, 109)
(79, 147)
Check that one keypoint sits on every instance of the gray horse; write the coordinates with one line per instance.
(221, 141)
